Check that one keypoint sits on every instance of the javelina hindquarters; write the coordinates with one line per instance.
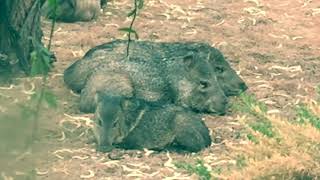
(72, 10)
(136, 124)
(192, 134)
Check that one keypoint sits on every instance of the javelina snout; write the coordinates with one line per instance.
(199, 89)
(115, 118)
(213, 98)
(106, 117)
(229, 81)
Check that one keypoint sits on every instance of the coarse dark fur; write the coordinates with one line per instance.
(187, 79)
(73, 10)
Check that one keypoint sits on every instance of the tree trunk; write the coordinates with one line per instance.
(20, 32)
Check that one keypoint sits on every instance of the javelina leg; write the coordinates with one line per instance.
(192, 134)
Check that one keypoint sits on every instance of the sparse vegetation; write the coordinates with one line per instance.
(249, 105)
(291, 158)
(304, 115)
(198, 168)
(241, 161)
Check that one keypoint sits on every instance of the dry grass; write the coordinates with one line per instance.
(293, 154)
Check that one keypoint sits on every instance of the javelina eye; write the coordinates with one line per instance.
(204, 84)
(114, 124)
(99, 122)
(219, 69)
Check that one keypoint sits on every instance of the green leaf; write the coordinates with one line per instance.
(132, 12)
(35, 66)
(50, 99)
(129, 30)
(40, 62)
(140, 4)
(52, 3)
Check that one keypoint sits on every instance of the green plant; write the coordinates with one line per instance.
(250, 105)
(252, 138)
(263, 126)
(241, 161)
(198, 168)
(304, 115)
(138, 5)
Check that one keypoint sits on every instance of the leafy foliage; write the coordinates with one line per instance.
(40, 61)
(52, 3)
(138, 5)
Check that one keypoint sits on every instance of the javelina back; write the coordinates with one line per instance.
(73, 10)
(182, 80)
(136, 124)
(228, 80)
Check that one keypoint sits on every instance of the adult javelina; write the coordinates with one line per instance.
(136, 124)
(229, 81)
(183, 80)
(72, 10)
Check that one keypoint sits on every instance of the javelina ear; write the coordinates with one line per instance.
(189, 60)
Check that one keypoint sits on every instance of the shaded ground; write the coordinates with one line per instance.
(274, 45)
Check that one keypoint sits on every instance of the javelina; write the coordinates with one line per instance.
(229, 81)
(183, 80)
(73, 10)
(136, 124)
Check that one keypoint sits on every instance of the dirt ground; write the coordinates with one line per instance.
(274, 46)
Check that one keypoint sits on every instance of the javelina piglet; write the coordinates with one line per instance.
(72, 10)
(132, 123)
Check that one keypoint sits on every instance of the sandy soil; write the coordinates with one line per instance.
(274, 45)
